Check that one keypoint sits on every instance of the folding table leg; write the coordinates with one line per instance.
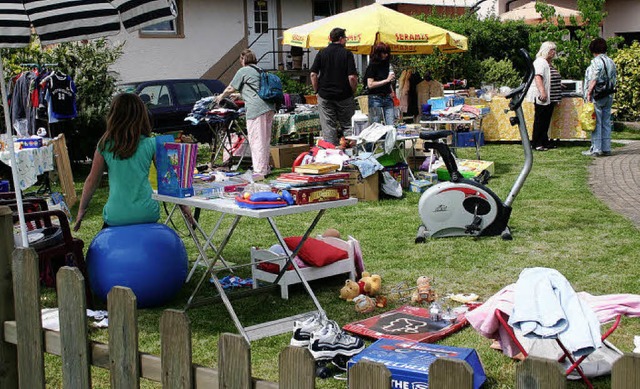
(214, 259)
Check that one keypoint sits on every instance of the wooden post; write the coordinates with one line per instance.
(626, 372)
(369, 375)
(74, 333)
(124, 363)
(175, 353)
(234, 362)
(297, 369)
(536, 372)
(8, 351)
(63, 166)
(450, 373)
(26, 278)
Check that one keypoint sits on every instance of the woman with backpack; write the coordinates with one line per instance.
(600, 82)
(259, 113)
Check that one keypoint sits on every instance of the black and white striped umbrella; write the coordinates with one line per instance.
(56, 21)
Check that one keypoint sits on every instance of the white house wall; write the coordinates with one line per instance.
(623, 16)
(211, 28)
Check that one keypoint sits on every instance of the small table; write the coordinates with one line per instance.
(285, 124)
(435, 125)
(31, 163)
(229, 207)
(399, 144)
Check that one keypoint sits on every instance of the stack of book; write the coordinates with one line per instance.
(314, 183)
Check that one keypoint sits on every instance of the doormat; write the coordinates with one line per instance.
(407, 323)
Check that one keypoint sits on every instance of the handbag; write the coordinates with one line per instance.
(588, 117)
(604, 89)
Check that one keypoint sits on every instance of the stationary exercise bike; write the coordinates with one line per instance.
(466, 207)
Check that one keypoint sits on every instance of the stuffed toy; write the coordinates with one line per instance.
(331, 232)
(423, 293)
(364, 304)
(370, 284)
(350, 290)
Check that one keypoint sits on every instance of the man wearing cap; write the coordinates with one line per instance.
(334, 79)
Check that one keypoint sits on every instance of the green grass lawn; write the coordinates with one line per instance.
(556, 223)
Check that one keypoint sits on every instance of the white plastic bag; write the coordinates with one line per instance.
(390, 186)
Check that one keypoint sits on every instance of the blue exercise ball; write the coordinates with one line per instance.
(148, 258)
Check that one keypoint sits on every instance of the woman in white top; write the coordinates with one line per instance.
(545, 95)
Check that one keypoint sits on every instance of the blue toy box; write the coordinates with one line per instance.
(470, 139)
(408, 362)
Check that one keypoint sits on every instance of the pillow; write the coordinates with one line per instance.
(316, 252)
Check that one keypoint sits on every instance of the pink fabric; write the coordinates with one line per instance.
(259, 133)
(606, 307)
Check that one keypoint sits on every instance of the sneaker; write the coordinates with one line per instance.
(331, 341)
(606, 153)
(302, 329)
(590, 153)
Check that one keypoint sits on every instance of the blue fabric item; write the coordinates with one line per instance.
(367, 164)
(546, 306)
(381, 109)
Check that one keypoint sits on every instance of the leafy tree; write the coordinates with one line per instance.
(573, 54)
(500, 73)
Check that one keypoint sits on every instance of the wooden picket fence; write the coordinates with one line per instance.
(24, 343)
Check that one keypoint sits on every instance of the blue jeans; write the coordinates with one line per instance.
(601, 136)
(381, 105)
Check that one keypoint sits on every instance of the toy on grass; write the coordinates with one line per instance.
(424, 293)
(364, 304)
(350, 290)
(369, 285)
(331, 232)
(148, 258)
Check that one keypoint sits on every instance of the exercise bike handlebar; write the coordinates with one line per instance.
(517, 95)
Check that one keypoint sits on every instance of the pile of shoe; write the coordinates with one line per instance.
(324, 338)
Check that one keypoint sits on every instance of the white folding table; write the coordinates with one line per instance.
(228, 207)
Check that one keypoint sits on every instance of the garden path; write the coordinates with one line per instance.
(616, 180)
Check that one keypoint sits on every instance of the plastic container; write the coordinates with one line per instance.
(359, 122)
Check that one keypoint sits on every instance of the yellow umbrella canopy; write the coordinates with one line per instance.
(375, 23)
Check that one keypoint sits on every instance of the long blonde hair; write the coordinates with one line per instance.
(128, 119)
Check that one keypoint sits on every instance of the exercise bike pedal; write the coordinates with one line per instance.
(421, 236)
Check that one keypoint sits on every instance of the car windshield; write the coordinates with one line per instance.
(126, 88)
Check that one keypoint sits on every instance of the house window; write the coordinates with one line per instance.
(260, 17)
(168, 29)
(324, 8)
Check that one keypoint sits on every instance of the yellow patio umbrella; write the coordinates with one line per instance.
(375, 23)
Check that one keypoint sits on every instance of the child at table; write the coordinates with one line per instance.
(126, 151)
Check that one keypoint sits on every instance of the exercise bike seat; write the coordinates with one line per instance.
(435, 135)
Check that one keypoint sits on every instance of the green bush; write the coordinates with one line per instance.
(500, 73)
(292, 86)
(627, 98)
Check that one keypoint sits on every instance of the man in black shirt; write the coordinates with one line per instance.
(334, 78)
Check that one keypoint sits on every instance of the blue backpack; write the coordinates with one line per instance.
(270, 87)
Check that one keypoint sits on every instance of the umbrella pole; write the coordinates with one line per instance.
(14, 165)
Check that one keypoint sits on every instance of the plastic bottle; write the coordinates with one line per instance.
(359, 121)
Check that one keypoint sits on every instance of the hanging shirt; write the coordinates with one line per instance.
(61, 97)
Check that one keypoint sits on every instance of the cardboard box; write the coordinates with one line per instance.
(319, 194)
(365, 189)
(408, 362)
(468, 168)
(469, 139)
(30, 143)
(284, 155)
(419, 186)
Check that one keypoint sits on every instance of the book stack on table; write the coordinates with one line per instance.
(314, 183)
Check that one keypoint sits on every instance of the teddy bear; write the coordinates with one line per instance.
(350, 290)
(423, 293)
(370, 284)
